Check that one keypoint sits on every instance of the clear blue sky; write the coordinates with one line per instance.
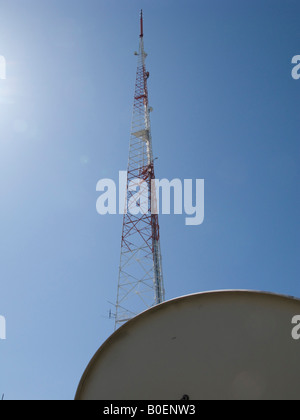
(226, 109)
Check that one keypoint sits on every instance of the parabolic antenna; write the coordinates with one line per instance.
(216, 345)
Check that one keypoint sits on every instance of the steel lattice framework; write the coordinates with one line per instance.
(140, 284)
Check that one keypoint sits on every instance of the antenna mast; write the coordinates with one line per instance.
(140, 284)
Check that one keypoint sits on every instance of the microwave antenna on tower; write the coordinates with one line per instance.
(140, 284)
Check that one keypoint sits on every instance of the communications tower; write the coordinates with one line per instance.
(140, 283)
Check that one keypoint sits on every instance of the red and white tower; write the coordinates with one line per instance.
(140, 284)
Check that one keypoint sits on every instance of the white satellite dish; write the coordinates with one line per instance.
(217, 345)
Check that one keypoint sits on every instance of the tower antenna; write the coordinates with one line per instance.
(140, 283)
(142, 25)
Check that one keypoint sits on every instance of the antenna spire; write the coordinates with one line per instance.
(142, 25)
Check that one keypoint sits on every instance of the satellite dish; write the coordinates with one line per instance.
(215, 345)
